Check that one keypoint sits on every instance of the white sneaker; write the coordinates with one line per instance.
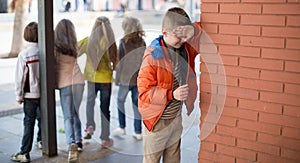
(18, 157)
(138, 136)
(119, 132)
(73, 153)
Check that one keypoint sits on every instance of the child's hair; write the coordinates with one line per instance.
(133, 29)
(102, 27)
(175, 17)
(31, 32)
(65, 38)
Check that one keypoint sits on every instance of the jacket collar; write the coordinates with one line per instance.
(158, 51)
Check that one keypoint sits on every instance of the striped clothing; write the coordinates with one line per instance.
(179, 59)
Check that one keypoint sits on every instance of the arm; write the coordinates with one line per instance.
(19, 79)
(82, 46)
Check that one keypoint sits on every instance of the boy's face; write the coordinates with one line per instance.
(171, 39)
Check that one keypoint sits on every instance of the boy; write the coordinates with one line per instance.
(27, 83)
(167, 80)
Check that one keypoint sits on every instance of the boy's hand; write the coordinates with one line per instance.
(181, 93)
(184, 32)
(20, 102)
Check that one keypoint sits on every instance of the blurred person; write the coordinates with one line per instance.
(101, 51)
(70, 82)
(27, 84)
(131, 48)
(166, 80)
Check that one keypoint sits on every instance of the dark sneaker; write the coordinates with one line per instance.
(21, 157)
(79, 145)
(73, 153)
(87, 136)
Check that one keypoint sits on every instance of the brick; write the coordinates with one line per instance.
(208, 88)
(290, 32)
(242, 93)
(212, 59)
(261, 85)
(208, 146)
(284, 54)
(261, 63)
(259, 147)
(227, 121)
(260, 106)
(280, 98)
(285, 77)
(292, 89)
(264, 1)
(292, 66)
(220, 18)
(240, 113)
(239, 29)
(293, 21)
(262, 42)
(211, 157)
(224, 39)
(279, 120)
(209, 48)
(239, 51)
(291, 132)
(206, 67)
(284, 9)
(263, 20)
(259, 127)
(230, 60)
(221, 139)
(291, 154)
(293, 43)
(291, 111)
(236, 132)
(240, 160)
(218, 79)
(264, 157)
(241, 8)
(209, 7)
(210, 28)
(236, 152)
(240, 72)
(279, 141)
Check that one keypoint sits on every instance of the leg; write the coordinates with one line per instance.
(38, 118)
(105, 113)
(122, 94)
(90, 104)
(77, 97)
(66, 100)
(137, 115)
(30, 109)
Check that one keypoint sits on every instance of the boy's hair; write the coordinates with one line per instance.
(31, 32)
(133, 29)
(65, 38)
(175, 17)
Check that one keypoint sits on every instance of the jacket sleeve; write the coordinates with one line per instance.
(195, 40)
(152, 98)
(19, 78)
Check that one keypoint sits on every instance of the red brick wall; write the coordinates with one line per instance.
(250, 81)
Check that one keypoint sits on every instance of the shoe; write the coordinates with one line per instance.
(119, 132)
(39, 144)
(79, 145)
(107, 143)
(89, 132)
(20, 157)
(73, 153)
(138, 136)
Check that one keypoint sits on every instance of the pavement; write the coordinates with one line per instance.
(125, 148)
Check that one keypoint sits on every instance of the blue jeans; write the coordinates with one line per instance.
(122, 94)
(31, 107)
(105, 92)
(70, 99)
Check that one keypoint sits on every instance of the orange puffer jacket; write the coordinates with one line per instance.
(155, 79)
